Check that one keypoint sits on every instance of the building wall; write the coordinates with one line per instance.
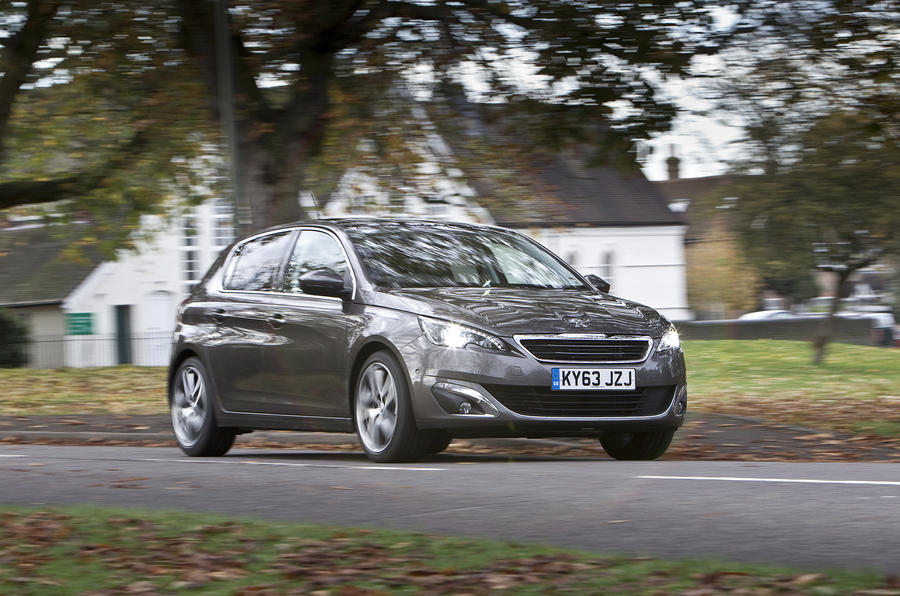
(151, 282)
(642, 263)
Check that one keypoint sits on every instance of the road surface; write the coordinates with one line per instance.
(811, 515)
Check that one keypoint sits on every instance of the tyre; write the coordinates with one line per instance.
(437, 441)
(637, 446)
(193, 415)
(382, 412)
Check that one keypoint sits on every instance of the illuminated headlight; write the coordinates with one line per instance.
(669, 340)
(451, 335)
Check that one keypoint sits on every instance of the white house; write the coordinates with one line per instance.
(88, 312)
(600, 220)
(92, 313)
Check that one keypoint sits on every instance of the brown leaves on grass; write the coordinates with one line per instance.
(119, 389)
(851, 424)
(135, 555)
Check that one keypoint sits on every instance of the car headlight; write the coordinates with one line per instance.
(669, 340)
(452, 335)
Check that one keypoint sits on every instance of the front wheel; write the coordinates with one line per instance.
(383, 413)
(437, 441)
(637, 446)
(193, 418)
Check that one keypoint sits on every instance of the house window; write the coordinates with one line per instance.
(190, 252)
(223, 223)
(191, 266)
(607, 265)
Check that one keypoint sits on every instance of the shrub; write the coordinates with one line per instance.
(13, 341)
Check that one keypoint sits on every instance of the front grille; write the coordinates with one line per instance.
(542, 401)
(587, 350)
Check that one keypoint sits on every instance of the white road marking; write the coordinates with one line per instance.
(11, 455)
(293, 465)
(787, 480)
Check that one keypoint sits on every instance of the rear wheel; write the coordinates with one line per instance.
(637, 446)
(193, 418)
(383, 413)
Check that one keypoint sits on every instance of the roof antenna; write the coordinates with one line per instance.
(308, 198)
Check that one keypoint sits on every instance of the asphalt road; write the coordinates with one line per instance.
(812, 515)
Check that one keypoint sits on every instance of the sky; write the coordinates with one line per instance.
(703, 144)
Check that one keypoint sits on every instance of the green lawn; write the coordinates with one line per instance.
(80, 550)
(857, 389)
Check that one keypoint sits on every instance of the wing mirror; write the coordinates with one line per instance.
(324, 282)
(598, 282)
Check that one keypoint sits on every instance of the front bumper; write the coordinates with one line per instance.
(509, 394)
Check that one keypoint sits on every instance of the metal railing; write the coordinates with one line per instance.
(56, 351)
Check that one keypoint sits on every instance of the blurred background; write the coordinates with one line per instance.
(712, 160)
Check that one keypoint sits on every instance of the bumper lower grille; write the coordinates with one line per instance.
(587, 350)
(541, 401)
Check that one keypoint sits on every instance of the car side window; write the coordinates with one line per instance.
(314, 250)
(258, 262)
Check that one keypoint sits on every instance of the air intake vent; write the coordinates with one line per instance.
(541, 401)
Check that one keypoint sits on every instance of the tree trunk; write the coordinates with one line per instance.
(273, 143)
(17, 58)
(820, 344)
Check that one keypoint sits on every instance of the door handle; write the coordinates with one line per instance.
(276, 320)
(218, 315)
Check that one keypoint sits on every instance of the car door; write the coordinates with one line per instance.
(306, 366)
(240, 318)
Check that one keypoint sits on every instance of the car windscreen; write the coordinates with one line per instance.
(434, 255)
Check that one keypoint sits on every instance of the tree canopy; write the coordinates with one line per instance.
(118, 104)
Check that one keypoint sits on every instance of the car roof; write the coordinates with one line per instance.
(351, 222)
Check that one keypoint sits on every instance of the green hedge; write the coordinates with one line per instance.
(13, 341)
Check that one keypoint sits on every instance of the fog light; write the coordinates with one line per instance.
(461, 400)
(681, 404)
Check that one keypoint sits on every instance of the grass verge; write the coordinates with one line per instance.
(856, 391)
(65, 391)
(80, 550)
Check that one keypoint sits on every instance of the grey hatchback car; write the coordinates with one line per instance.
(412, 333)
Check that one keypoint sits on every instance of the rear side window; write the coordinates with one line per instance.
(256, 264)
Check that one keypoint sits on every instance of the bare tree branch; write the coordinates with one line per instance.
(73, 186)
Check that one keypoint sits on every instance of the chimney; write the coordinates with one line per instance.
(673, 164)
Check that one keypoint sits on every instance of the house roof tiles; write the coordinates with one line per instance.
(34, 269)
(596, 196)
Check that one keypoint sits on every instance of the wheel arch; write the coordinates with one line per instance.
(376, 344)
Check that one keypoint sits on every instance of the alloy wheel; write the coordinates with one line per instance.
(189, 406)
(376, 407)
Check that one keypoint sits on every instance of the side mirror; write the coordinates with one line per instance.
(324, 282)
(598, 282)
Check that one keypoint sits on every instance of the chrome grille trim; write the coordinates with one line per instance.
(586, 337)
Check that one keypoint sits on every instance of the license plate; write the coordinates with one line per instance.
(597, 379)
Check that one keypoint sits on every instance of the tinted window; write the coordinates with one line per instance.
(435, 255)
(258, 262)
(314, 250)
